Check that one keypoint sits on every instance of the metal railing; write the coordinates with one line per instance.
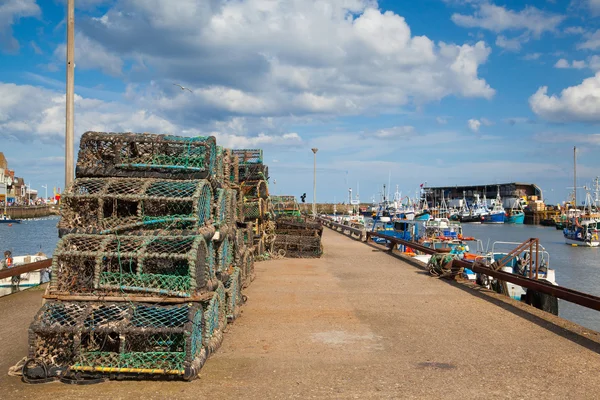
(22, 269)
(570, 295)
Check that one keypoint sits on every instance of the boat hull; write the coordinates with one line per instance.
(515, 219)
(573, 242)
(10, 221)
(497, 218)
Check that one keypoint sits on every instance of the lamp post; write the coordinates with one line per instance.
(45, 198)
(70, 98)
(314, 207)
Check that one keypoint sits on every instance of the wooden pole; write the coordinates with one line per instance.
(70, 116)
(575, 177)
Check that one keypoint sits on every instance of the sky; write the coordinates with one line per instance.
(442, 92)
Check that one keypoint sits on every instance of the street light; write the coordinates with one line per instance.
(314, 207)
(46, 198)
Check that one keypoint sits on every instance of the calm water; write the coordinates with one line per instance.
(28, 237)
(576, 267)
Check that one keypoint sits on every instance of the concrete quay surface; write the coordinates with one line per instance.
(357, 323)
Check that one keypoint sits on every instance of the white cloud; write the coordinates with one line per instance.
(474, 125)
(43, 120)
(441, 120)
(396, 132)
(278, 58)
(10, 12)
(532, 56)
(574, 30)
(591, 42)
(579, 103)
(89, 54)
(509, 44)
(499, 19)
(575, 64)
(562, 63)
(594, 6)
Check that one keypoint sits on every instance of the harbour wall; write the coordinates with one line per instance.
(25, 212)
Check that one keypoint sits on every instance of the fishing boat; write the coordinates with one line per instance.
(5, 219)
(497, 214)
(522, 262)
(27, 279)
(582, 227)
(515, 215)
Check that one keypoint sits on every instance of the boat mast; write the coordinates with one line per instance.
(575, 177)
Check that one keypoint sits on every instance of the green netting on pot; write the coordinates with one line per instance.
(106, 205)
(233, 206)
(249, 234)
(298, 246)
(253, 172)
(219, 164)
(215, 319)
(233, 291)
(247, 267)
(224, 255)
(129, 337)
(145, 155)
(211, 258)
(226, 164)
(234, 173)
(220, 207)
(254, 209)
(255, 189)
(167, 265)
(249, 156)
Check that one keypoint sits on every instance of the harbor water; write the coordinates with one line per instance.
(28, 237)
(576, 267)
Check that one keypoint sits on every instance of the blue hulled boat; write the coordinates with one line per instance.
(497, 214)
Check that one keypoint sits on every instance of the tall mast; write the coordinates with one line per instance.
(575, 177)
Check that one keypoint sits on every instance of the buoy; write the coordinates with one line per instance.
(573, 244)
(9, 224)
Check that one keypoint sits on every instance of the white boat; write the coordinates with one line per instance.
(518, 265)
(27, 279)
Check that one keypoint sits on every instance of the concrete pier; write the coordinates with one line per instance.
(357, 323)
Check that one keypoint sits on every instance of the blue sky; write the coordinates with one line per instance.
(438, 91)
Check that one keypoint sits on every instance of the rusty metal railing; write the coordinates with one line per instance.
(22, 269)
(574, 296)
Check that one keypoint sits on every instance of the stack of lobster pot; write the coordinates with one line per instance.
(256, 209)
(148, 270)
(295, 236)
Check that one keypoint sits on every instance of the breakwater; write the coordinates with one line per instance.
(25, 212)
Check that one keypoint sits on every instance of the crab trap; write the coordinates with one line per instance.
(255, 189)
(178, 266)
(233, 292)
(253, 172)
(145, 155)
(124, 339)
(297, 246)
(108, 205)
(254, 209)
(248, 156)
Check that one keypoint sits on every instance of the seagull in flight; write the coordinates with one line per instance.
(183, 87)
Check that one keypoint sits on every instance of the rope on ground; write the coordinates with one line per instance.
(17, 369)
(440, 265)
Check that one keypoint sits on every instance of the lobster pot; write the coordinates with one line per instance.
(247, 267)
(249, 234)
(254, 209)
(284, 203)
(240, 207)
(103, 205)
(97, 338)
(233, 292)
(255, 189)
(294, 226)
(234, 173)
(224, 255)
(145, 156)
(215, 319)
(296, 246)
(219, 164)
(249, 156)
(146, 265)
(253, 172)
(233, 205)
(221, 207)
(227, 165)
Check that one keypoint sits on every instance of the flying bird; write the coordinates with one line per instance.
(183, 87)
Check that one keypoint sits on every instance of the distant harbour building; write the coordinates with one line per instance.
(510, 193)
